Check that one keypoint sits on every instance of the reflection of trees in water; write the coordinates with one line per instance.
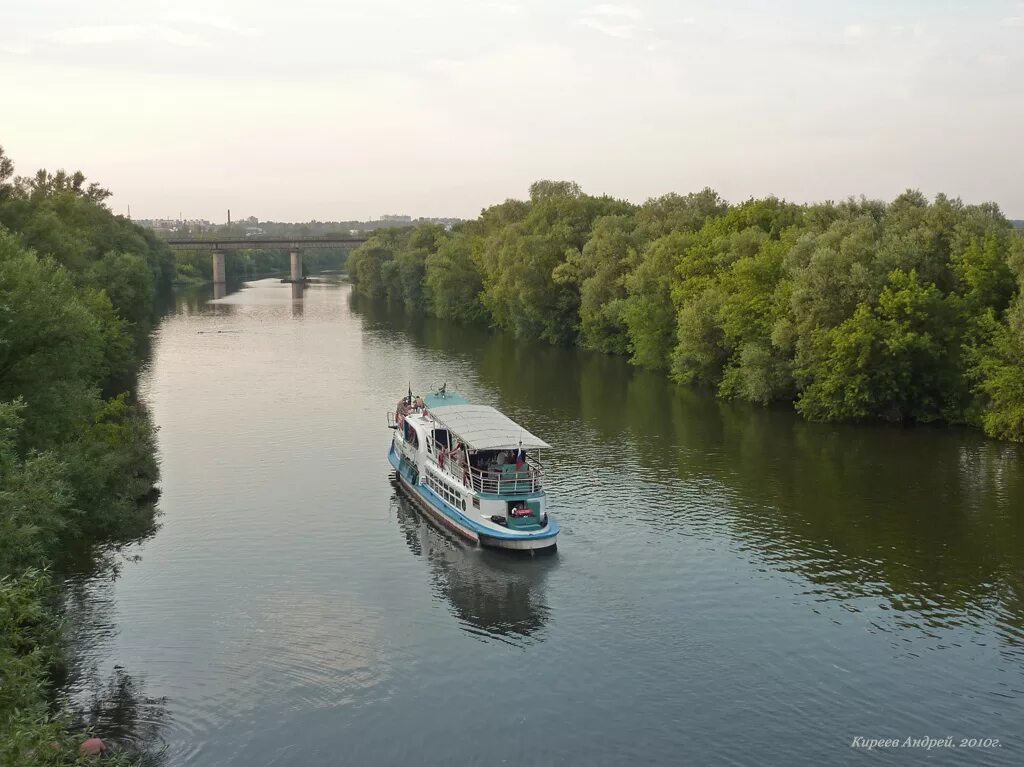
(493, 594)
(123, 715)
(922, 517)
(86, 559)
(929, 519)
(112, 705)
(193, 299)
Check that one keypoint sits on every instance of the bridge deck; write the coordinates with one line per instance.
(282, 243)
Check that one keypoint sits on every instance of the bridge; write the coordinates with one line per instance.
(295, 246)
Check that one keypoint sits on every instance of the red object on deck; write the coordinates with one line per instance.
(93, 747)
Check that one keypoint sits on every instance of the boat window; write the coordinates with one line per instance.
(442, 438)
(476, 503)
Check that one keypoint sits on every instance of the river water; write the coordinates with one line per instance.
(732, 585)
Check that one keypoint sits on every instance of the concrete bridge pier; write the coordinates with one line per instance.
(296, 259)
(218, 267)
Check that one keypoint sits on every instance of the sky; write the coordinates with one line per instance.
(302, 110)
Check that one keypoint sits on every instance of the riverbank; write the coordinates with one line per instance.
(908, 311)
(79, 288)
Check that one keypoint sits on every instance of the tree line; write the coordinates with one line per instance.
(861, 310)
(78, 290)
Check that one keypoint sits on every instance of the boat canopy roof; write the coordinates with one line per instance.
(436, 399)
(480, 427)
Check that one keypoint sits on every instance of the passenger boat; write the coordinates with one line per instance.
(472, 470)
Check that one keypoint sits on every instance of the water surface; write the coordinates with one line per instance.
(732, 586)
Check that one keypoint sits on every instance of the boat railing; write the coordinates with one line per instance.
(504, 481)
(396, 418)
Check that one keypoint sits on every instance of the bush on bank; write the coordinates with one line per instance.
(908, 311)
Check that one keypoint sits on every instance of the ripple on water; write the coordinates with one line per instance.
(732, 586)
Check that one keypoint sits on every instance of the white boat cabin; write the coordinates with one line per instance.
(475, 459)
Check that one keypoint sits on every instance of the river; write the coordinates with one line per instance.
(732, 585)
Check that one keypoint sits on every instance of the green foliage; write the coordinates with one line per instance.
(28, 638)
(35, 498)
(60, 217)
(896, 360)
(51, 345)
(452, 281)
(597, 274)
(128, 283)
(75, 467)
(648, 313)
(522, 290)
(855, 310)
(1001, 378)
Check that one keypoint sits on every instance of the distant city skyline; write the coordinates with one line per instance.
(397, 218)
(304, 111)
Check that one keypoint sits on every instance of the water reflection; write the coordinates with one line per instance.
(124, 716)
(108, 702)
(493, 595)
(928, 520)
(297, 289)
(205, 299)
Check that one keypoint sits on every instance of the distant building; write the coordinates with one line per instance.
(447, 223)
(174, 224)
(253, 231)
(395, 218)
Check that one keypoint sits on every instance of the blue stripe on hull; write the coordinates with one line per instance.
(467, 527)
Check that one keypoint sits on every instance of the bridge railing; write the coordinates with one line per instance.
(219, 243)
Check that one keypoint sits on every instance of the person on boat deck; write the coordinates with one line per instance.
(502, 458)
(520, 458)
(418, 403)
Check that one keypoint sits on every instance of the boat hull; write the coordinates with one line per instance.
(439, 517)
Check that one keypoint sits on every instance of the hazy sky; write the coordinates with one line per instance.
(299, 110)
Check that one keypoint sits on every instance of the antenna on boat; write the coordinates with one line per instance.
(408, 400)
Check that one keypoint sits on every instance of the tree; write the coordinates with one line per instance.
(648, 312)
(518, 262)
(52, 348)
(597, 274)
(895, 361)
(1001, 373)
(128, 281)
(453, 282)
(669, 213)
